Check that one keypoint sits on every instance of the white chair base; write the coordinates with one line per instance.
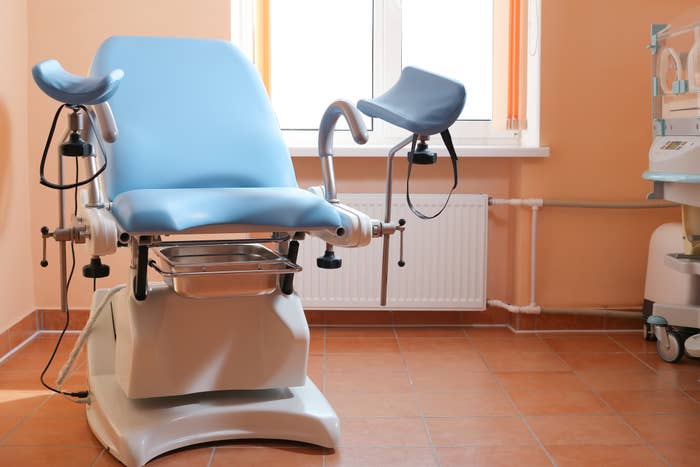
(137, 430)
(247, 342)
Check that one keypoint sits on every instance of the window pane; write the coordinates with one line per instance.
(454, 39)
(321, 50)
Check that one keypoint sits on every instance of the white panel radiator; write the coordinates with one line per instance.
(445, 259)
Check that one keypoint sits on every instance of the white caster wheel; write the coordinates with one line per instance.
(674, 351)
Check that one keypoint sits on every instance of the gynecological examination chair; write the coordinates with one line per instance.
(177, 139)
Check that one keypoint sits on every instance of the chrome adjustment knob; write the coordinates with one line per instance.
(44, 235)
(401, 227)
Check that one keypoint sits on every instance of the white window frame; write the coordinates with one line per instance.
(471, 138)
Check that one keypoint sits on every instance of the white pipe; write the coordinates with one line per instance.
(516, 202)
(539, 202)
(533, 254)
(608, 204)
(84, 334)
(532, 309)
(610, 313)
(535, 204)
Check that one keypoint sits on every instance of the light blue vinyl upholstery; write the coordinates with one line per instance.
(420, 102)
(177, 210)
(198, 141)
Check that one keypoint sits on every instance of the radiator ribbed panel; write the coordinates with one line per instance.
(445, 259)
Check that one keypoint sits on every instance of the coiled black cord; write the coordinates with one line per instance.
(42, 165)
(78, 394)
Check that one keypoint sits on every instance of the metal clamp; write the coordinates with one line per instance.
(78, 234)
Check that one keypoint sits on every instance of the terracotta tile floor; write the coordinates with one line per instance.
(422, 397)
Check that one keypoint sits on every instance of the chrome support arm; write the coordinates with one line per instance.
(387, 215)
(108, 126)
(97, 194)
(325, 140)
(325, 151)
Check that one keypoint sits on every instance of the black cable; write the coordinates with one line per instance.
(79, 394)
(114, 327)
(447, 139)
(47, 146)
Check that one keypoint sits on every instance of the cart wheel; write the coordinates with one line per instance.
(648, 332)
(675, 350)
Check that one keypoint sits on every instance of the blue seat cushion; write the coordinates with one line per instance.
(177, 210)
(420, 102)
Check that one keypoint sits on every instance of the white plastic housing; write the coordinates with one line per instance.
(169, 345)
(664, 284)
(137, 430)
(357, 226)
(101, 228)
(675, 155)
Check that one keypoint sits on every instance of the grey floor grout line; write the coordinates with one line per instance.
(211, 456)
(19, 346)
(479, 326)
(656, 372)
(513, 404)
(618, 415)
(25, 417)
(98, 456)
(434, 449)
(402, 354)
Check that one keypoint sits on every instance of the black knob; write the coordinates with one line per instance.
(402, 222)
(402, 263)
(95, 269)
(329, 261)
(44, 230)
(44, 263)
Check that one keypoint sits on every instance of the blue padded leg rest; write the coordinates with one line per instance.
(68, 88)
(177, 210)
(420, 102)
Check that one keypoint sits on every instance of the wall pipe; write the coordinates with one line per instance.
(535, 204)
(539, 202)
(606, 312)
(533, 254)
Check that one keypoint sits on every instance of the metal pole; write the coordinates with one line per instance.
(387, 215)
(62, 243)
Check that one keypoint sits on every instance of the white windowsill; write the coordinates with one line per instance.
(462, 151)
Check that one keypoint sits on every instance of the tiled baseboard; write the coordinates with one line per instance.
(491, 316)
(18, 333)
(55, 320)
(553, 322)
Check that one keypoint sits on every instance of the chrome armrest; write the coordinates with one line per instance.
(108, 126)
(325, 140)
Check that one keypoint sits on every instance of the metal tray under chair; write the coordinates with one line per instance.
(218, 270)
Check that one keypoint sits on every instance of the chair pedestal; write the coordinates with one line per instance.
(137, 429)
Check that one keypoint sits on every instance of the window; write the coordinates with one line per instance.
(312, 52)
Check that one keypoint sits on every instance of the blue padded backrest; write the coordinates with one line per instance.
(192, 113)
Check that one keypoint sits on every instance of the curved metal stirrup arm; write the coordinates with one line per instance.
(325, 139)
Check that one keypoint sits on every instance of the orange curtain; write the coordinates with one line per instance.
(262, 42)
(517, 48)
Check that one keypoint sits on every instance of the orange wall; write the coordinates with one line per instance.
(50, 38)
(16, 272)
(596, 110)
(595, 118)
(186, 18)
